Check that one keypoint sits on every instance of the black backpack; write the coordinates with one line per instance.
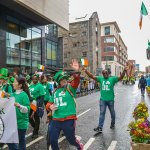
(142, 82)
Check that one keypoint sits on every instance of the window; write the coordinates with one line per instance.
(109, 40)
(74, 44)
(84, 44)
(108, 58)
(83, 25)
(51, 52)
(109, 49)
(73, 26)
(84, 54)
(65, 55)
(23, 45)
(107, 30)
(73, 35)
(51, 29)
(83, 33)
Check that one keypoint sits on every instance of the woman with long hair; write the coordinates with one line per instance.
(22, 104)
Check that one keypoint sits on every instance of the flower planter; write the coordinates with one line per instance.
(140, 146)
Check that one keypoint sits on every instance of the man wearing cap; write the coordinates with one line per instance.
(63, 106)
(4, 86)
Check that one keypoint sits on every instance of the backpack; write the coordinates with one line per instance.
(142, 82)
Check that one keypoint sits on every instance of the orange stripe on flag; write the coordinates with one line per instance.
(86, 63)
(140, 23)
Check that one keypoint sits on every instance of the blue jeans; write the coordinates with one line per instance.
(103, 106)
(22, 141)
(68, 127)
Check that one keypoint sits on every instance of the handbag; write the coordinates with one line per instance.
(40, 111)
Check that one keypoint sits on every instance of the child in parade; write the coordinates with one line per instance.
(22, 104)
(63, 106)
(37, 97)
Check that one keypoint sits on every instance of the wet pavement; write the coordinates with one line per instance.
(127, 97)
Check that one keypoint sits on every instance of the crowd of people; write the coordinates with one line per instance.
(35, 93)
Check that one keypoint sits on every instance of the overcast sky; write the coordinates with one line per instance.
(126, 13)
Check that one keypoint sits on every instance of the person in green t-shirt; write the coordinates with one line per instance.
(37, 95)
(4, 85)
(46, 87)
(107, 84)
(63, 105)
(22, 104)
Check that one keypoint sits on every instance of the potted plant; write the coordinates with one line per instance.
(140, 128)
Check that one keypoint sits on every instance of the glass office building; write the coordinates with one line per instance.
(24, 45)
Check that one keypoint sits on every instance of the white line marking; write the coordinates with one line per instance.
(28, 135)
(83, 113)
(5, 146)
(89, 142)
(34, 141)
(112, 145)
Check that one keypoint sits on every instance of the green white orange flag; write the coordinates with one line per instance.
(148, 45)
(143, 12)
(84, 62)
(41, 67)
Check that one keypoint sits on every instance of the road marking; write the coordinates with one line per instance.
(89, 142)
(62, 138)
(34, 141)
(28, 135)
(83, 113)
(5, 146)
(112, 145)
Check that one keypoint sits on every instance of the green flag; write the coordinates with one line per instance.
(143, 10)
(148, 45)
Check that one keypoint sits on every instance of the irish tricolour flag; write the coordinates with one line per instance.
(143, 12)
(41, 67)
(84, 62)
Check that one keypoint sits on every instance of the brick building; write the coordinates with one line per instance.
(114, 51)
(83, 41)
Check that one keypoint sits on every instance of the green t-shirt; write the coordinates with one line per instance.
(46, 90)
(22, 118)
(36, 90)
(65, 103)
(107, 87)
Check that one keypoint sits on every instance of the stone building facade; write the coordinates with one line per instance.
(83, 41)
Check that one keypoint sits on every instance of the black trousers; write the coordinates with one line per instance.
(35, 123)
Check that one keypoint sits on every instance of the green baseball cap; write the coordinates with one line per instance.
(60, 75)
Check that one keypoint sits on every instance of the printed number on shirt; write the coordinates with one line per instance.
(106, 85)
(59, 100)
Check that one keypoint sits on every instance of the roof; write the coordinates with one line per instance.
(114, 23)
(86, 17)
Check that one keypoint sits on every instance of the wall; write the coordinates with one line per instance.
(51, 10)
